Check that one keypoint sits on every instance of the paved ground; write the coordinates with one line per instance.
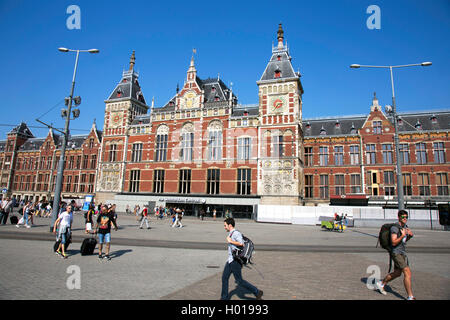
(291, 262)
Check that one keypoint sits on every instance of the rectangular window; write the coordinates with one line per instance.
(424, 184)
(213, 181)
(404, 153)
(136, 152)
(244, 148)
(355, 183)
(185, 181)
(277, 146)
(387, 153)
(78, 164)
(354, 155)
(442, 184)
(323, 156)
(407, 187)
(112, 153)
(323, 187)
(71, 162)
(371, 156)
(94, 161)
(187, 145)
(338, 155)
(85, 161)
(377, 129)
(389, 189)
(91, 183)
(439, 152)
(161, 147)
(309, 186)
(158, 181)
(421, 153)
(339, 184)
(215, 145)
(244, 181)
(308, 156)
(135, 179)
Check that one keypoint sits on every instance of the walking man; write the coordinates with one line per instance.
(177, 221)
(232, 266)
(400, 234)
(103, 228)
(7, 208)
(144, 218)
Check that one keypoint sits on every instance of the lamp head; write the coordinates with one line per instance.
(63, 49)
(93, 51)
(426, 64)
(355, 66)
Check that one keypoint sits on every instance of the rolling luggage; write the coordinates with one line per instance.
(88, 246)
(14, 219)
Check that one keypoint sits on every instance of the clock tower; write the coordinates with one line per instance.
(280, 165)
(122, 106)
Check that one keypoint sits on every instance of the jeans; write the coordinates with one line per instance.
(144, 218)
(104, 238)
(236, 269)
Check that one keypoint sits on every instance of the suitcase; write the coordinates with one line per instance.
(56, 245)
(14, 219)
(88, 246)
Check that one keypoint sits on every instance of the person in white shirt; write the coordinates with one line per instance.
(64, 222)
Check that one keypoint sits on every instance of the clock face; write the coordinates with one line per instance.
(116, 118)
(277, 104)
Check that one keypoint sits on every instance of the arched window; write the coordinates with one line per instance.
(215, 140)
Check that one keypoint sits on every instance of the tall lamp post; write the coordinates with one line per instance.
(66, 113)
(400, 193)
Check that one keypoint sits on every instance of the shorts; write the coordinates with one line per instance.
(400, 261)
(104, 238)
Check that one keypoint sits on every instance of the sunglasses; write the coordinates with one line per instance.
(402, 217)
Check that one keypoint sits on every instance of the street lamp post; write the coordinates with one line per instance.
(400, 193)
(66, 113)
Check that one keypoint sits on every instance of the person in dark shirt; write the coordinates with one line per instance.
(103, 229)
(400, 234)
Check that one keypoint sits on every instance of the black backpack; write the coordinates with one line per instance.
(384, 239)
(243, 255)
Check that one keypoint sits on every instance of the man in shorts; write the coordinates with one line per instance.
(103, 229)
(400, 234)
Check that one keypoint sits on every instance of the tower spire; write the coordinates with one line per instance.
(132, 61)
(280, 36)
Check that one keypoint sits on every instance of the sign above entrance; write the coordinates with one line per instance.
(183, 200)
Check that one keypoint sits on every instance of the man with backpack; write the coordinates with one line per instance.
(399, 234)
(232, 266)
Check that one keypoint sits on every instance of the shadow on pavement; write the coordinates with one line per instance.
(387, 288)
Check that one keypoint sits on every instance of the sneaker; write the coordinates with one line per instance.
(100, 256)
(380, 287)
(107, 257)
(17, 226)
(28, 227)
(411, 298)
(58, 252)
(64, 255)
(259, 295)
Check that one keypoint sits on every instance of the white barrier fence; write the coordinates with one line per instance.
(361, 216)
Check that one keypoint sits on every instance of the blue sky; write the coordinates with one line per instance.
(233, 38)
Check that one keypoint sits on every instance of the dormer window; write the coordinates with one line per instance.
(213, 89)
(433, 119)
(119, 93)
(245, 113)
(308, 126)
(323, 131)
(279, 58)
(337, 125)
(418, 125)
(277, 74)
(399, 121)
